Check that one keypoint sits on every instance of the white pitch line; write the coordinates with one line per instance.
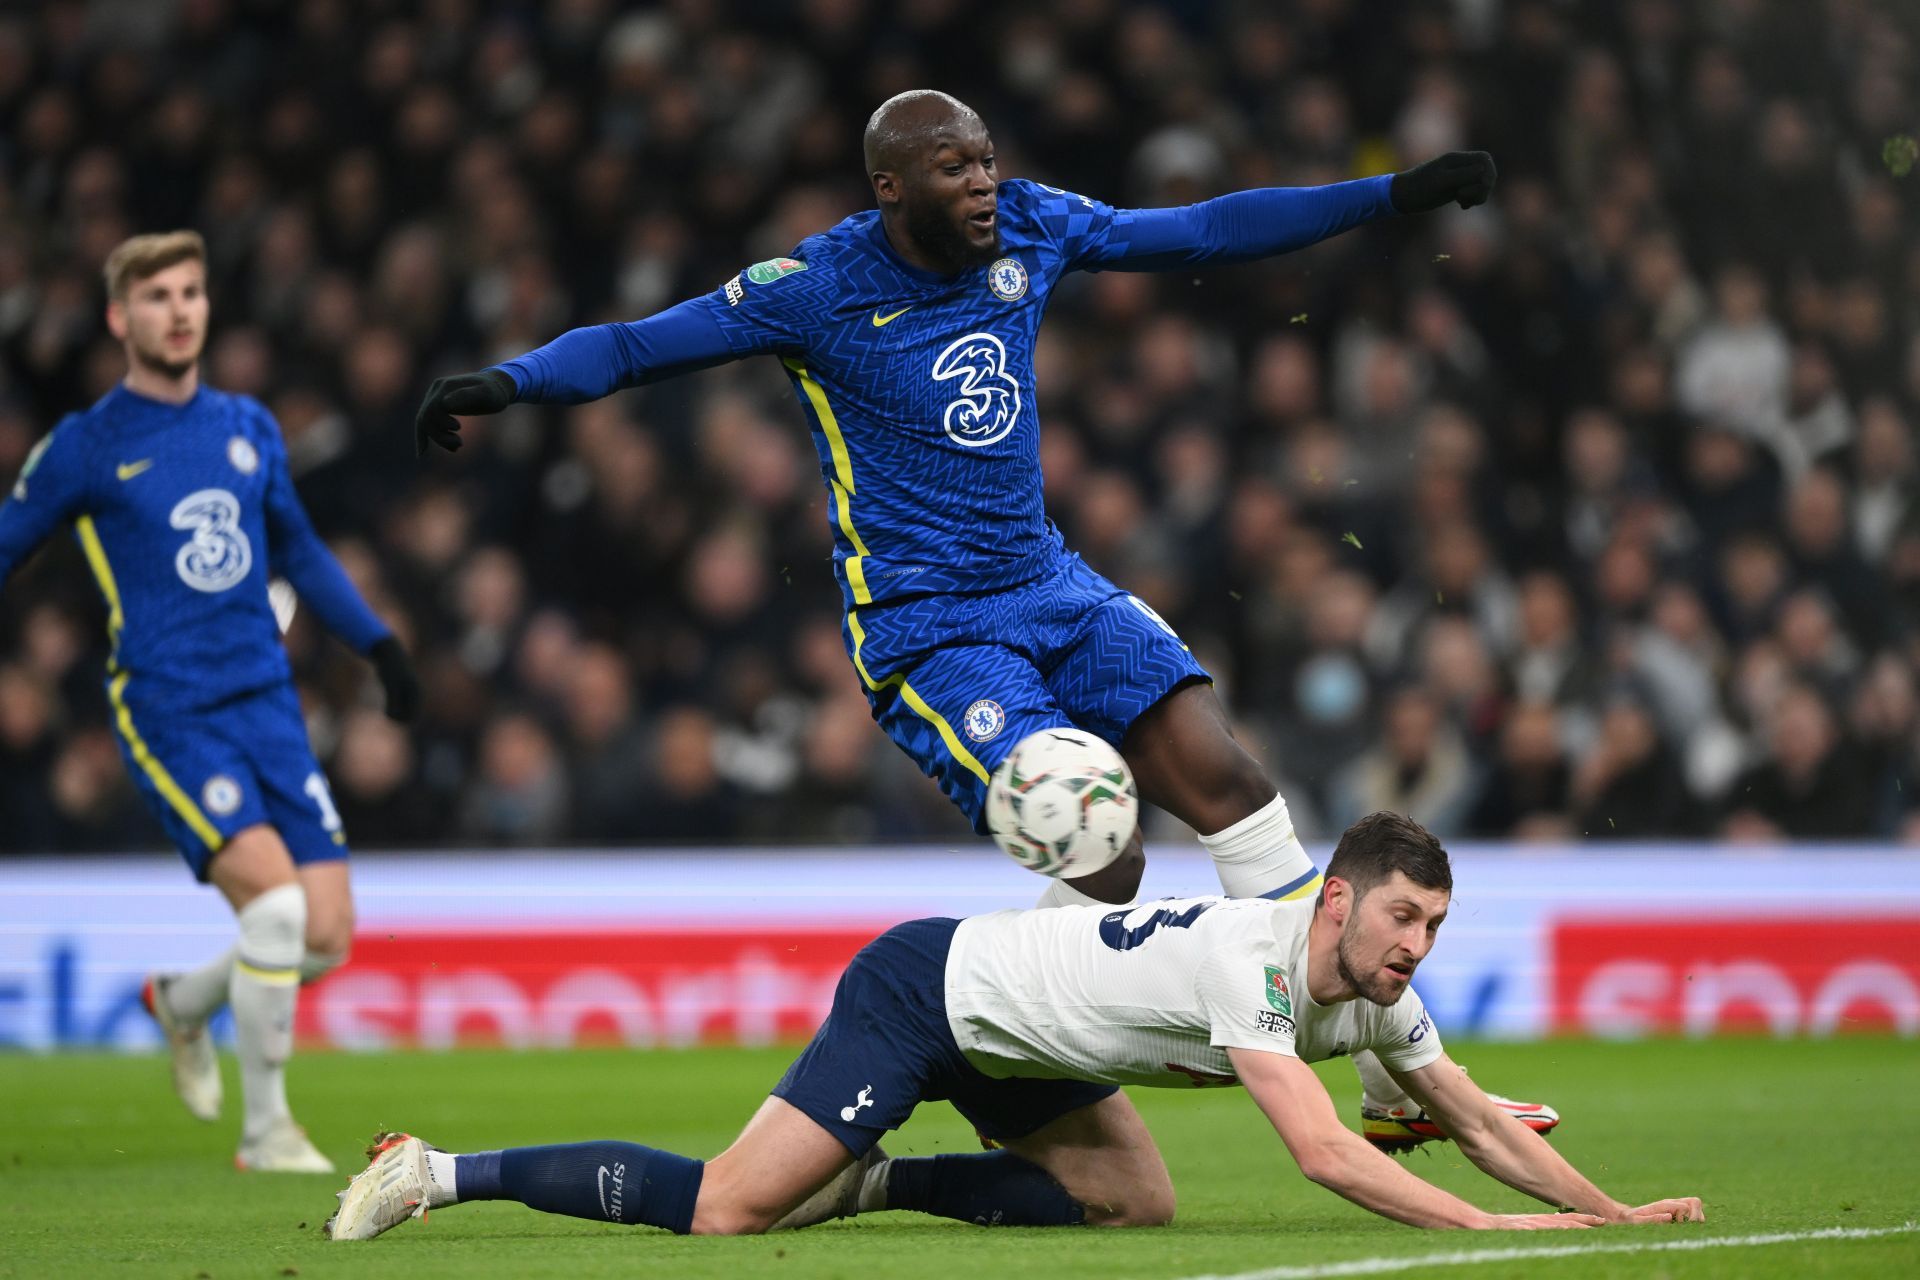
(1466, 1257)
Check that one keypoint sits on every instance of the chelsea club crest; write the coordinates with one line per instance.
(1008, 279)
(984, 720)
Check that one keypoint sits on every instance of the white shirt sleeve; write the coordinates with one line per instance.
(1244, 1007)
(1405, 1037)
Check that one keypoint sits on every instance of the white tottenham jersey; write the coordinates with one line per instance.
(1156, 994)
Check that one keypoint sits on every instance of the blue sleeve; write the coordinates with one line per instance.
(296, 552)
(586, 364)
(50, 490)
(768, 308)
(1231, 228)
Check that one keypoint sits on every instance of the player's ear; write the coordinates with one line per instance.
(1339, 899)
(117, 319)
(886, 187)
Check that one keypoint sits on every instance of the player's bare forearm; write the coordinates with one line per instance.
(1496, 1145)
(1525, 1161)
(1511, 1152)
(1340, 1160)
(1347, 1165)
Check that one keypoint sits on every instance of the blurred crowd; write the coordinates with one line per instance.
(1592, 513)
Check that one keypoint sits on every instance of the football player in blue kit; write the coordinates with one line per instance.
(908, 334)
(181, 500)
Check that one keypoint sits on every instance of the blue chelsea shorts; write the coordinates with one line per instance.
(958, 680)
(210, 774)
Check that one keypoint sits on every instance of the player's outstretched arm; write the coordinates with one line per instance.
(1518, 1156)
(1337, 1158)
(1259, 223)
(582, 365)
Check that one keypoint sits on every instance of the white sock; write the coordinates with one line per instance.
(263, 990)
(1261, 857)
(1059, 893)
(873, 1187)
(1378, 1089)
(443, 1186)
(196, 995)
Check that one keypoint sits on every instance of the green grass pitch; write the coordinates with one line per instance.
(103, 1174)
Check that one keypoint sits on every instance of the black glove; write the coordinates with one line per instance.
(396, 675)
(488, 391)
(1463, 176)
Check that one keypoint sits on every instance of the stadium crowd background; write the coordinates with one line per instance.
(1591, 513)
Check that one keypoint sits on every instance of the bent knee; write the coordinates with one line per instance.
(333, 941)
(1149, 1206)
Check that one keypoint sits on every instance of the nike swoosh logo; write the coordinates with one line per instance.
(604, 1171)
(128, 470)
(879, 319)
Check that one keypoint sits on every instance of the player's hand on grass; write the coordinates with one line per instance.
(462, 394)
(1540, 1221)
(395, 670)
(1678, 1209)
(1465, 178)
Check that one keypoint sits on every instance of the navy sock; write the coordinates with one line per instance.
(606, 1181)
(990, 1189)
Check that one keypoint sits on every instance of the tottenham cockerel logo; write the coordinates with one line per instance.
(989, 401)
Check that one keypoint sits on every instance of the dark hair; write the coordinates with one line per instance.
(1378, 845)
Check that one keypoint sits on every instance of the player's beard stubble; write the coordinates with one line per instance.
(1353, 964)
(944, 238)
(155, 362)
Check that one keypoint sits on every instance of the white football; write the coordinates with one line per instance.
(1062, 803)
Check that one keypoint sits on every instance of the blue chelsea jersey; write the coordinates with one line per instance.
(183, 511)
(919, 390)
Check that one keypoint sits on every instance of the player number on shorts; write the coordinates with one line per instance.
(1115, 933)
(218, 554)
(323, 797)
(989, 401)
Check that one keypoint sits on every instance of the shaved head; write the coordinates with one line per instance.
(906, 126)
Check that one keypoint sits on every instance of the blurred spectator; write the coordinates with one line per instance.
(1735, 371)
(1628, 786)
(1420, 768)
(1809, 789)
(518, 795)
(372, 782)
(1526, 794)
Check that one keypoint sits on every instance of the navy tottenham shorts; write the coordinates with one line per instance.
(886, 1047)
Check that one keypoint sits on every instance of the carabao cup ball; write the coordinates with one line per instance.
(1062, 803)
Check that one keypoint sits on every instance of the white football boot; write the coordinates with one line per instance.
(840, 1198)
(196, 1067)
(390, 1190)
(281, 1149)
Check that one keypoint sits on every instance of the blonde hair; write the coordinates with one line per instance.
(139, 257)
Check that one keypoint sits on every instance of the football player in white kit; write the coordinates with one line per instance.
(1028, 1022)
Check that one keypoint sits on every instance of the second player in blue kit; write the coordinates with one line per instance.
(182, 502)
(908, 334)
